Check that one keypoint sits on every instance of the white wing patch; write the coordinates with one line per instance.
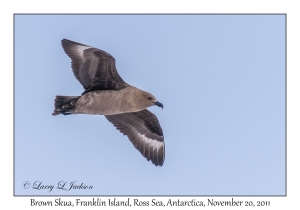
(80, 49)
(152, 142)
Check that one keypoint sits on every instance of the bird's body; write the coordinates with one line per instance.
(106, 93)
(109, 102)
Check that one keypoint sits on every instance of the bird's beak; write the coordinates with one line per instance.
(159, 104)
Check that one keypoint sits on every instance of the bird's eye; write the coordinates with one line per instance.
(150, 98)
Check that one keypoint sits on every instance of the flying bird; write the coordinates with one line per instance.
(106, 93)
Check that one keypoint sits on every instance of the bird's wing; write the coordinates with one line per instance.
(95, 69)
(144, 131)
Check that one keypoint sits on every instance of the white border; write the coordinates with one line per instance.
(154, 6)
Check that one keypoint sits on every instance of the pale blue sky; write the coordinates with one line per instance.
(221, 79)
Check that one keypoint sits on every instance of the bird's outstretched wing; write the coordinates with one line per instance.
(95, 69)
(144, 131)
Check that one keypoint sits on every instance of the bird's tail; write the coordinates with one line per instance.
(63, 104)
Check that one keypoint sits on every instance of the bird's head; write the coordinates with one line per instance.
(150, 100)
